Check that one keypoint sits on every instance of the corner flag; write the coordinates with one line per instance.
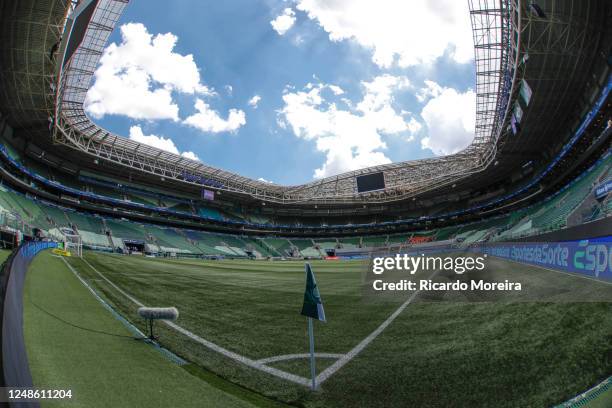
(313, 309)
(313, 306)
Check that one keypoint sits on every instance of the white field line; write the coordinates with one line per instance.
(329, 371)
(93, 292)
(284, 357)
(212, 346)
(257, 364)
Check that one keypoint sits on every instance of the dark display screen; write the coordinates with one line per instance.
(79, 27)
(370, 182)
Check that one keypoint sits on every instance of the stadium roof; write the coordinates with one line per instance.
(83, 48)
(50, 50)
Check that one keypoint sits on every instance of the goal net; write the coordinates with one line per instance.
(74, 244)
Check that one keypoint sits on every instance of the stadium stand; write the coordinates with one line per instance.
(350, 242)
(324, 245)
(82, 222)
(306, 247)
(209, 213)
(169, 240)
(553, 213)
(541, 150)
(56, 215)
(94, 241)
(49, 184)
(126, 230)
(209, 244)
(280, 246)
(375, 241)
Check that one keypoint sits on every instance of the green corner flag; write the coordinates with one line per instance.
(313, 306)
(313, 309)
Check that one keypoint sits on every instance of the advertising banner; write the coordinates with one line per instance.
(603, 189)
(586, 257)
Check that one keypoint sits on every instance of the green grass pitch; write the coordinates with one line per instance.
(435, 354)
(102, 366)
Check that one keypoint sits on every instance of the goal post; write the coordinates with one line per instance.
(74, 244)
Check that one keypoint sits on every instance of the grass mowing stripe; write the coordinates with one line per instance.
(322, 377)
(329, 371)
(219, 383)
(100, 370)
(93, 292)
(215, 347)
(140, 335)
(229, 387)
(437, 352)
(131, 298)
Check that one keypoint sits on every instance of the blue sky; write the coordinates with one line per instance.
(339, 88)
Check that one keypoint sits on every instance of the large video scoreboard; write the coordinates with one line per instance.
(370, 182)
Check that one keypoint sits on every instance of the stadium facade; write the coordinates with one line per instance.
(540, 154)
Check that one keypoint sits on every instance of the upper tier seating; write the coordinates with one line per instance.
(126, 230)
(350, 242)
(327, 244)
(169, 240)
(306, 247)
(538, 218)
(374, 241)
(94, 240)
(86, 222)
(280, 245)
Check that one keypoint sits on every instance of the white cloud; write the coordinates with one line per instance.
(380, 91)
(209, 120)
(283, 22)
(450, 119)
(129, 93)
(264, 180)
(431, 90)
(136, 78)
(160, 142)
(190, 155)
(351, 139)
(336, 90)
(408, 32)
(414, 126)
(254, 101)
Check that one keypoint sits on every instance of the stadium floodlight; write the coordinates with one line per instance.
(74, 244)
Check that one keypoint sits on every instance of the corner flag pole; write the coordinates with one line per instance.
(312, 309)
(313, 370)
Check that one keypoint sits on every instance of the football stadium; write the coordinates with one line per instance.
(135, 276)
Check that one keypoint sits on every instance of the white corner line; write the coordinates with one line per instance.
(329, 371)
(212, 346)
(286, 357)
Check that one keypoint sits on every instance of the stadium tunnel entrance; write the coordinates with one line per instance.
(134, 246)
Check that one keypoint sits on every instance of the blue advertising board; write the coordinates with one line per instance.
(603, 189)
(590, 257)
